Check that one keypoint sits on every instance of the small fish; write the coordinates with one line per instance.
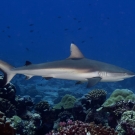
(27, 49)
(79, 28)
(59, 16)
(31, 30)
(3, 30)
(27, 63)
(31, 24)
(73, 42)
(9, 36)
(74, 18)
(8, 27)
(83, 41)
(79, 21)
(66, 29)
(40, 84)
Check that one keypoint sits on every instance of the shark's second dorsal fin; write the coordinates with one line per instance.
(27, 63)
(75, 53)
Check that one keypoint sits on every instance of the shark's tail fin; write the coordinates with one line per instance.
(7, 71)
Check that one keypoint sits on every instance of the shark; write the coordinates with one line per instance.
(75, 67)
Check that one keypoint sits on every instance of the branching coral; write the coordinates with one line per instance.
(81, 128)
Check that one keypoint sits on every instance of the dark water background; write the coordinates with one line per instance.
(42, 31)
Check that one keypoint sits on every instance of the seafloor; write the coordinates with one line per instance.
(58, 107)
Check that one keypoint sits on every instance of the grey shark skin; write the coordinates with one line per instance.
(75, 67)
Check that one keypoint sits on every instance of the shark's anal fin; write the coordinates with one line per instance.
(93, 81)
(79, 82)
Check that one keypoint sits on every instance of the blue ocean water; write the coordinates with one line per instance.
(42, 31)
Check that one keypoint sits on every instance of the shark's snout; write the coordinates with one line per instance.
(131, 74)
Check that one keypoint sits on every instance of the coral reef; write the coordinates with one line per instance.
(8, 92)
(96, 96)
(65, 115)
(62, 117)
(63, 91)
(119, 95)
(79, 127)
(85, 108)
(67, 102)
(26, 126)
(42, 106)
(120, 101)
(23, 104)
(31, 125)
(17, 123)
(48, 116)
(97, 117)
(7, 108)
(72, 115)
(127, 123)
(80, 108)
(5, 128)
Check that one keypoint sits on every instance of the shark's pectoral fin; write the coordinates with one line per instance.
(93, 81)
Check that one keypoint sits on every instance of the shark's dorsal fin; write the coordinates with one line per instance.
(75, 53)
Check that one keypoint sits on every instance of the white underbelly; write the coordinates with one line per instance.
(111, 79)
(70, 74)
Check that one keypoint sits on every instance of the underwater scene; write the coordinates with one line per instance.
(67, 67)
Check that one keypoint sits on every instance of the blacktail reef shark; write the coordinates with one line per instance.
(75, 67)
